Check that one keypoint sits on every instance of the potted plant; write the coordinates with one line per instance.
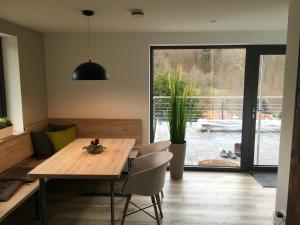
(5, 127)
(179, 91)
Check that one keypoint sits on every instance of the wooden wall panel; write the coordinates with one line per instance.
(293, 210)
(14, 150)
(105, 128)
(293, 206)
(37, 126)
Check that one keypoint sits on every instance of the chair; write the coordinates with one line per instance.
(147, 179)
(155, 147)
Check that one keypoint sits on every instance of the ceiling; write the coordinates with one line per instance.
(63, 16)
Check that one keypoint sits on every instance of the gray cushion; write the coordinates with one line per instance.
(18, 173)
(8, 188)
(42, 146)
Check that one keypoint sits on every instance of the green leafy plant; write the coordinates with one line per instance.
(5, 122)
(161, 88)
(178, 103)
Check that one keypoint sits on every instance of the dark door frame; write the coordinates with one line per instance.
(253, 53)
(256, 53)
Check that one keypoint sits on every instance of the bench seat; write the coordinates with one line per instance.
(23, 193)
(32, 162)
(18, 150)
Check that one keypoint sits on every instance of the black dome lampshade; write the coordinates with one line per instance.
(89, 70)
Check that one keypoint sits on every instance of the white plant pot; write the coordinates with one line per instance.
(5, 132)
(177, 162)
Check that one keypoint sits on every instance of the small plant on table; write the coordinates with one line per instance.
(95, 147)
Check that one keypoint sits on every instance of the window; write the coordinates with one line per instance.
(3, 111)
(234, 113)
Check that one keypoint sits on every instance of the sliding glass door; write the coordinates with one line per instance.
(236, 88)
(268, 109)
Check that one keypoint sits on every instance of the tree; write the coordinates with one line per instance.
(161, 85)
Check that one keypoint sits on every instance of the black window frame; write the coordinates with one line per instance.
(250, 92)
(3, 109)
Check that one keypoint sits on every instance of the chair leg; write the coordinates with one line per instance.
(162, 194)
(125, 209)
(155, 210)
(159, 205)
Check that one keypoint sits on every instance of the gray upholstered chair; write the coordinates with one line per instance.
(154, 147)
(158, 146)
(147, 179)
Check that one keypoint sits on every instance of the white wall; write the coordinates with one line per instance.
(126, 57)
(288, 105)
(32, 71)
(12, 81)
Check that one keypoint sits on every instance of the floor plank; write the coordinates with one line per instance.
(202, 198)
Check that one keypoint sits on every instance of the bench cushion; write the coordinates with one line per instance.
(23, 193)
(41, 144)
(18, 173)
(8, 188)
(60, 139)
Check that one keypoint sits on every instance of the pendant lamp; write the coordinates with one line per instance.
(89, 70)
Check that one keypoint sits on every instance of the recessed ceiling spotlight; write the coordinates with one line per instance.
(137, 12)
(213, 21)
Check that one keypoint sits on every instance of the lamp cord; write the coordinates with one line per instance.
(89, 52)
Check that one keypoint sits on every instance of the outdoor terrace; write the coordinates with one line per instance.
(208, 133)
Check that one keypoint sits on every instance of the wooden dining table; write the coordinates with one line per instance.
(73, 162)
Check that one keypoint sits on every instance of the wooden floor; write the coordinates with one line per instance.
(202, 198)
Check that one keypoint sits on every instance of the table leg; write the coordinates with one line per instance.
(37, 205)
(112, 202)
(42, 201)
(81, 186)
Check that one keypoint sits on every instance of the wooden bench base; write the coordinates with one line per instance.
(23, 193)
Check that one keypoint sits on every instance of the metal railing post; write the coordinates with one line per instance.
(222, 109)
(154, 119)
(190, 111)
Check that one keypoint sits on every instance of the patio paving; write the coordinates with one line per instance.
(207, 145)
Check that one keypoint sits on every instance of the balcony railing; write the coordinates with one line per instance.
(217, 108)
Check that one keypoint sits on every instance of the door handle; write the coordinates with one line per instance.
(254, 110)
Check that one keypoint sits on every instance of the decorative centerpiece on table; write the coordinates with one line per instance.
(95, 147)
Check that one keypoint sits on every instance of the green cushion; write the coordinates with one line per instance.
(60, 139)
